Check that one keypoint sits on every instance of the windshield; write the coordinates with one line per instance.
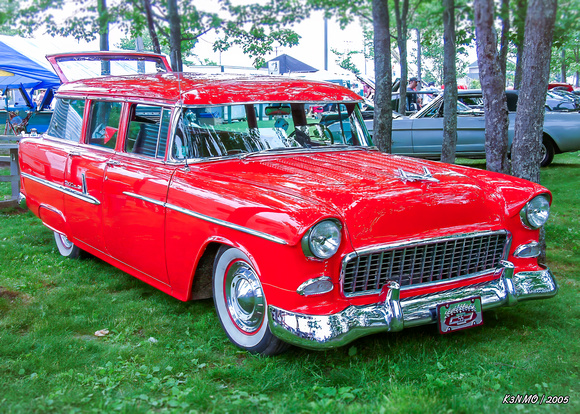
(220, 131)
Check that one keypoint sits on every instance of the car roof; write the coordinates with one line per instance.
(479, 92)
(215, 89)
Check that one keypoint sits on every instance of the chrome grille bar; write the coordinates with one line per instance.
(423, 262)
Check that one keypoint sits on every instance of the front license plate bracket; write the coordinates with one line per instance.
(460, 314)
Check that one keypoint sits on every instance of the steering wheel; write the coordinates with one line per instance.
(99, 132)
(301, 137)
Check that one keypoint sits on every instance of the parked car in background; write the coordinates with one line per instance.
(560, 102)
(421, 134)
(571, 98)
(561, 85)
(225, 187)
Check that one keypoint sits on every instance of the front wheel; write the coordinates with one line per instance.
(66, 247)
(547, 152)
(241, 305)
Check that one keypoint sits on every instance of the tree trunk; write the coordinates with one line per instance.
(519, 23)
(151, 26)
(401, 16)
(174, 36)
(383, 116)
(504, 44)
(577, 56)
(526, 155)
(526, 149)
(419, 70)
(492, 86)
(450, 81)
(104, 34)
(563, 67)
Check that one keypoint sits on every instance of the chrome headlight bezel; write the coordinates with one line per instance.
(536, 212)
(311, 248)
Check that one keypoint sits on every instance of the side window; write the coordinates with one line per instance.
(67, 119)
(148, 129)
(104, 125)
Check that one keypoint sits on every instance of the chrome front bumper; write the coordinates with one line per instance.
(393, 314)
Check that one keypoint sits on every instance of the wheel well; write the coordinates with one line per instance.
(202, 279)
(556, 149)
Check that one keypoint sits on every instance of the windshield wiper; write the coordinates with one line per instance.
(265, 151)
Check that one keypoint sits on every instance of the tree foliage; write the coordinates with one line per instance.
(566, 46)
(256, 28)
(344, 60)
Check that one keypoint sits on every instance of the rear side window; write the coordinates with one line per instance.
(104, 125)
(67, 119)
(148, 129)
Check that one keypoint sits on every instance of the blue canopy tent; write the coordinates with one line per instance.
(27, 70)
(22, 70)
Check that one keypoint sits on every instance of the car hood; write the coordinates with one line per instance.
(365, 189)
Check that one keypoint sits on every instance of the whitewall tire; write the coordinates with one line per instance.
(66, 247)
(241, 304)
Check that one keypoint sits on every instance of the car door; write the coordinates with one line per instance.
(402, 140)
(428, 131)
(135, 191)
(44, 163)
(85, 173)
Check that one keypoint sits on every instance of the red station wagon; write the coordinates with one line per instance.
(266, 194)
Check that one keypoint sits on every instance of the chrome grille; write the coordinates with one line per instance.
(423, 262)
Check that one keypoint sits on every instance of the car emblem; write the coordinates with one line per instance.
(409, 176)
(460, 316)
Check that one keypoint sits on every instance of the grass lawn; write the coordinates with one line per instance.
(164, 355)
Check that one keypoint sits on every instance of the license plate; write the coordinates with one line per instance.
(462, 314)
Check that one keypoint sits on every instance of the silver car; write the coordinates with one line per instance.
(421, 134)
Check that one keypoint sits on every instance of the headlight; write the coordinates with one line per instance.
(536, 212)
(322, 240)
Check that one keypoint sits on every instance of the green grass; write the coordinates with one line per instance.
(5, 189)
(50, 360)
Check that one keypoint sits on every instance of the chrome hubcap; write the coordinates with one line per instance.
(543, 152)
(244, 297)
(66, 242)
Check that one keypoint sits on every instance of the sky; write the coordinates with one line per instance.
(310, 49)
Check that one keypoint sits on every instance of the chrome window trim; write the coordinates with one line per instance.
(69, 191)
(420, 242)
(303, 151)
(138, 157)
(213, 220)
(310, 101)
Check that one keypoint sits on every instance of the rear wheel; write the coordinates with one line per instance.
(241, 305)
(548, 151)
(66, 247)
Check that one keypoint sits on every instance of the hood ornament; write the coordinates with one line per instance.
(409, 176)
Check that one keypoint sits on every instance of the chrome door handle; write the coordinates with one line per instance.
(74, 153)
(113, 162)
